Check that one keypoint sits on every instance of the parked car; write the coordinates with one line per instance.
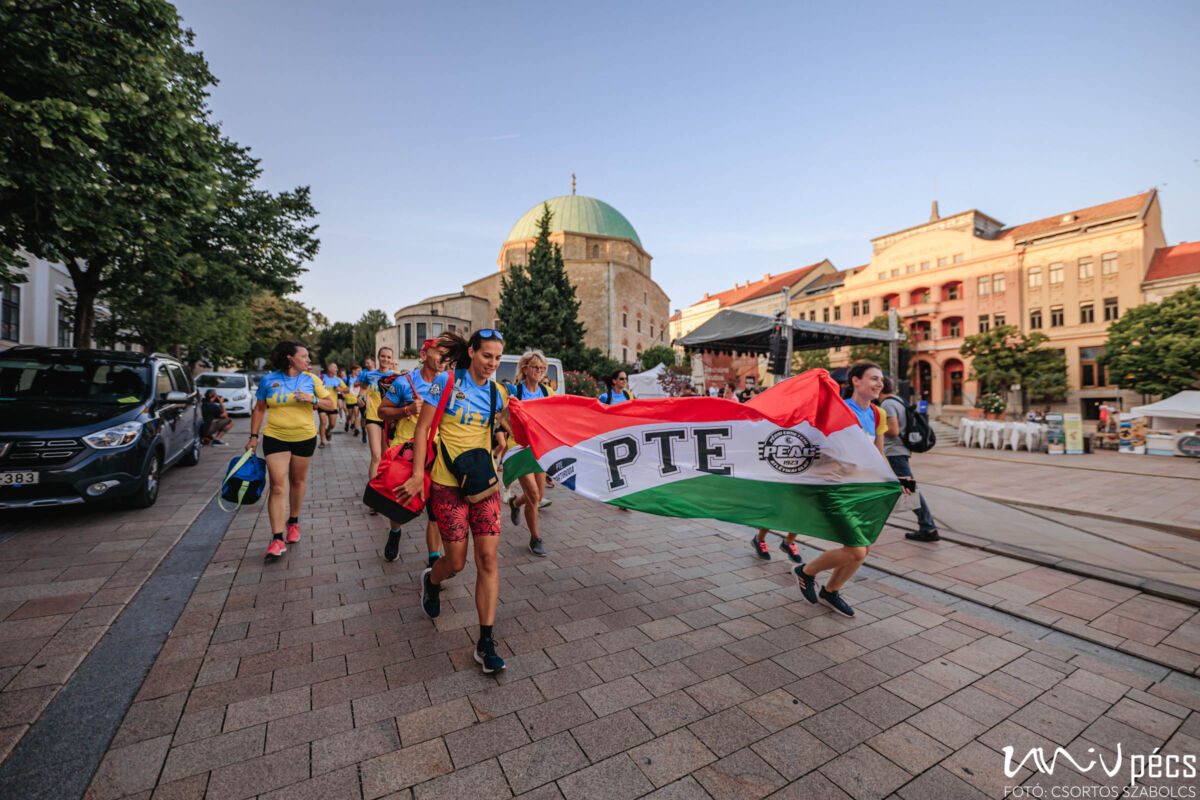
(87, 426)
(233, 388)
(255, 375)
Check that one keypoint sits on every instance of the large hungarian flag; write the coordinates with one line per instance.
(792, 459)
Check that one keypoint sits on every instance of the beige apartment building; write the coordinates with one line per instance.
(1068, 276)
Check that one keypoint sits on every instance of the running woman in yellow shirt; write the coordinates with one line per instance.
(286, 399)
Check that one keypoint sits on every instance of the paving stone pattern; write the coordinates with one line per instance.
(646, 657)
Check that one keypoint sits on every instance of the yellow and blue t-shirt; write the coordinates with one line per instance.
(370, 379)
(352, 390)
(872, 419)
(467, 422)
(332, 382)
(400, 392)
(520, 391)
(290, 419)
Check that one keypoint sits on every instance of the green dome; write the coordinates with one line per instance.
(576, 214)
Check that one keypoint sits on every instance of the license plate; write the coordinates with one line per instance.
(18, 478)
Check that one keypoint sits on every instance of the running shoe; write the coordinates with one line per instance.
(430, 602)
(346, 427)
(222, 443)
(364, 434)
(916, 536)
(536, 547)
(807, 583)
(760, 548)
(293, 533)
(485, 654)
(391, 550)
(276, 548)
(544, 502)
(835, 601)
(516, 512)
(549, 482)
(792, 552)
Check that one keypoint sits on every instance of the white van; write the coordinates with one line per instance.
(507, 372)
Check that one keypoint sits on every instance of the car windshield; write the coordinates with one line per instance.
(215, 380)
(84, 380)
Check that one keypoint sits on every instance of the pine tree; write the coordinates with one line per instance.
(538, 307)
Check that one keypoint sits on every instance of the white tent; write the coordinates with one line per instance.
(645, 384)
(1177, 411)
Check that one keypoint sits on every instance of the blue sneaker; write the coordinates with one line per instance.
(760, 548)
(835, 601)
(807, 583)
(430, 602)
(485, 654)
(792, 552)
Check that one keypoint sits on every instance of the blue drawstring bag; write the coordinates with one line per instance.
(244, 481)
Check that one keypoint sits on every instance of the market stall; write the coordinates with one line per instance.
(1169, 426)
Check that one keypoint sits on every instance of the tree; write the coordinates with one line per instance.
(273, 319)
(538, 308)
(1155, 348)
(365, 329)
(675, 380)
(112, 166)
(879, 352)
(805, 360)
(335, 341)
(1003, 357)
(659, 354)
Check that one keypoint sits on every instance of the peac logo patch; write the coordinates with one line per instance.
(788, 451)
(563, 471)
(275, 385)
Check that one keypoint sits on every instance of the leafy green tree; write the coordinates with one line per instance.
(879, 352)
(659, 354)
(365, 329)
(538, 308)
(1155, 348)
(336, 340)
(1002, 357)
(273, 319)
(805, 360)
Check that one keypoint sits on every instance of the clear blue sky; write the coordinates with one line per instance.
(739, 138)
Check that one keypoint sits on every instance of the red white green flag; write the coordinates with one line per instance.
(792, 459)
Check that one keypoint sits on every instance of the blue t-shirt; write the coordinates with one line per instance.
(332, 382)
(400, 391)
(611, 398)
(520, 391)
(866, 417)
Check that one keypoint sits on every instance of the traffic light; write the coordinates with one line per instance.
(777, 357)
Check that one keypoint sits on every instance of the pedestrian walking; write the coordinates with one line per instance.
(351, 399)
(336, 387)
(463, 494)
(403, 399)
(369, 381)
(286, 400)
(531, 369)
(897, 455)
(866, 383)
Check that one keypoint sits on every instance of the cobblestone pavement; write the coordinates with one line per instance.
(646, 656)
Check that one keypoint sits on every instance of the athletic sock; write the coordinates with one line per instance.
(278, 536)
(393, 530)
(293, 521)
(485, 632)
(436, 554)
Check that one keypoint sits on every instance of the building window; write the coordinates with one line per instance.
(595, 251)
(1056, 316)
(436, 329)
(952, 328)
(1055, 273)
(952, 291)
(837, 313)
(408, 342)
(1111, 312)
(998, 283)
(624, 320)
(65, 329)
(1035, 278)
(1085, 268)
(882, 275)
(421, 334)
(924, 265)
(825, 314)
(958, 257)
(645, 298)
(1108, 264)
(985, 285)
(639, 326)
(625, 354)
(997, 320)
(854, 309)
(943, 261)
(451, 328)
(926, 331)
(812, 315)
(651, 331)
(1035, 319)
(10, 314)
(1086, 313)
(895, 273)
(1091, 373)
(984, 324)
(866, 306)
(911, 268)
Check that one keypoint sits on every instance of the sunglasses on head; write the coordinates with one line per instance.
(489, 333)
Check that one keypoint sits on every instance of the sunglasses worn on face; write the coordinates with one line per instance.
(489, 333)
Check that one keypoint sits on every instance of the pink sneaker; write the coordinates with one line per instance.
(293, 533)
(276, 548)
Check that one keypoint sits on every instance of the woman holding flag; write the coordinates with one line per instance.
(464, 493)
(531, 369)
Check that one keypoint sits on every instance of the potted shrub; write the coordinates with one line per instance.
(993, 405)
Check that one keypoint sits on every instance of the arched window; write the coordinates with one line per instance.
(595, 251)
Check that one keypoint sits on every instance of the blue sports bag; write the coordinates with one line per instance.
(244, 481)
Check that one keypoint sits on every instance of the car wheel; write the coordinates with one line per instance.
(192, 457)
(147, 491)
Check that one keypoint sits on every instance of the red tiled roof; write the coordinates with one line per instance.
(768, 285)
(1126, 205)
(1174, 262)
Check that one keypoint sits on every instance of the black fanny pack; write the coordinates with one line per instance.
(474, 469)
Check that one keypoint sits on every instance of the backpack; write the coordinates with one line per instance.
(918, 436)
(244, 481)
